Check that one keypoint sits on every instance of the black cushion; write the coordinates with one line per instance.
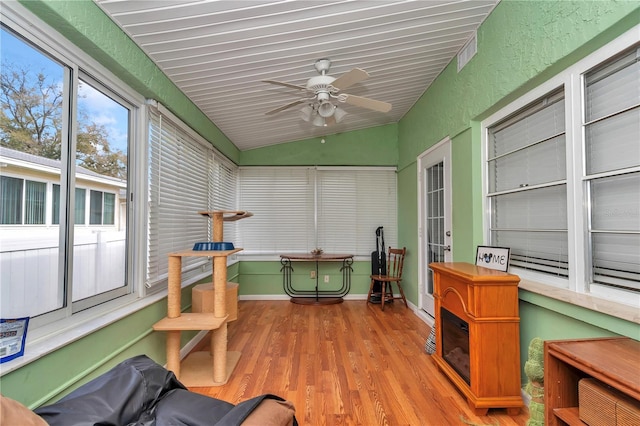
(139, 392)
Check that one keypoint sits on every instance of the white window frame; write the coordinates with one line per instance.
(572, 81)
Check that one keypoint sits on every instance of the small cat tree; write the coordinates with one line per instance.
(210, 368)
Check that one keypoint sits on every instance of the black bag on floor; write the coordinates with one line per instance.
(378, 264)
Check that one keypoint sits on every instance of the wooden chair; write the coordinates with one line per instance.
(395, 263)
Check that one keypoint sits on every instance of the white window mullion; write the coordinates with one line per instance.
(577, 216)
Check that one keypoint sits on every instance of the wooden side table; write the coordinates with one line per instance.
(614, 361)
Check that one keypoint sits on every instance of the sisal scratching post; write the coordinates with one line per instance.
(173, 298)
(173, 311)
(217, 227)
(173, 352)
(220, 287)
(220, 354)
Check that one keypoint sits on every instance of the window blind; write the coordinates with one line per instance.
(612, 151)
(352, 203)
(297, 210)
(223, 194)
(186, 176)
(282, 201)
(527, 186)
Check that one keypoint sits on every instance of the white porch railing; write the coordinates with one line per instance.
(29, 259)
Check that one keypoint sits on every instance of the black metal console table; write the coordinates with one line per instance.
(316, 296)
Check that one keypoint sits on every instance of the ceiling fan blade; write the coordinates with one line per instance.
(287, 106)
(280, 83)
(366, 102)
(350, 78)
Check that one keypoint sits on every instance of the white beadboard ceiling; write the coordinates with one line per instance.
(218, 53)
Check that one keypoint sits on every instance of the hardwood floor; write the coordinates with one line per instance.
(345, 364)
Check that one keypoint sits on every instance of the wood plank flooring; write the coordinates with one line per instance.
(345, 364)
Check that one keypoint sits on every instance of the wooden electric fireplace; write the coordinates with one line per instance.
(478, 334)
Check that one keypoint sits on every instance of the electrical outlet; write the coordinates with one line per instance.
(313, 275)
(326, 278)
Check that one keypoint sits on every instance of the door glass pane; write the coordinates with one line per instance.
(435, 213)
(435, 219)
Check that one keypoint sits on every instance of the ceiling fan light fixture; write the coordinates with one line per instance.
(326, 109)
(306, 112)
(339, 114)
(318, 121)
(325, 92)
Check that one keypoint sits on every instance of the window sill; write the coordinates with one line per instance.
(49, 338)
(587, 301)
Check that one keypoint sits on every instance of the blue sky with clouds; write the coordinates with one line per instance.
(100, 108)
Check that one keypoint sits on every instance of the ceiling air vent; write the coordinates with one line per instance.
(467, 52)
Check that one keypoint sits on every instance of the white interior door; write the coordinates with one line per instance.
(434, 204)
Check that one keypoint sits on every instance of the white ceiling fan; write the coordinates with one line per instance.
(320, 109)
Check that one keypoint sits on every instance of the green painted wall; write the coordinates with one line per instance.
(376, 146)
(520, 45)
(265, 278)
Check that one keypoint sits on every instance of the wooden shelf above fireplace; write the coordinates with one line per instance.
(487, 300)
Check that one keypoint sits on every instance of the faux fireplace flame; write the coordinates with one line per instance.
(455, 343)
(478, 334)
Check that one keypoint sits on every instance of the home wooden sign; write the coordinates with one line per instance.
(493, 257)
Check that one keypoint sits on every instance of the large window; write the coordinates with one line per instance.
(298, 209)
(563, 177)
(64, 137)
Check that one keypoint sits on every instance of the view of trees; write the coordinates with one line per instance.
(31, 122)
